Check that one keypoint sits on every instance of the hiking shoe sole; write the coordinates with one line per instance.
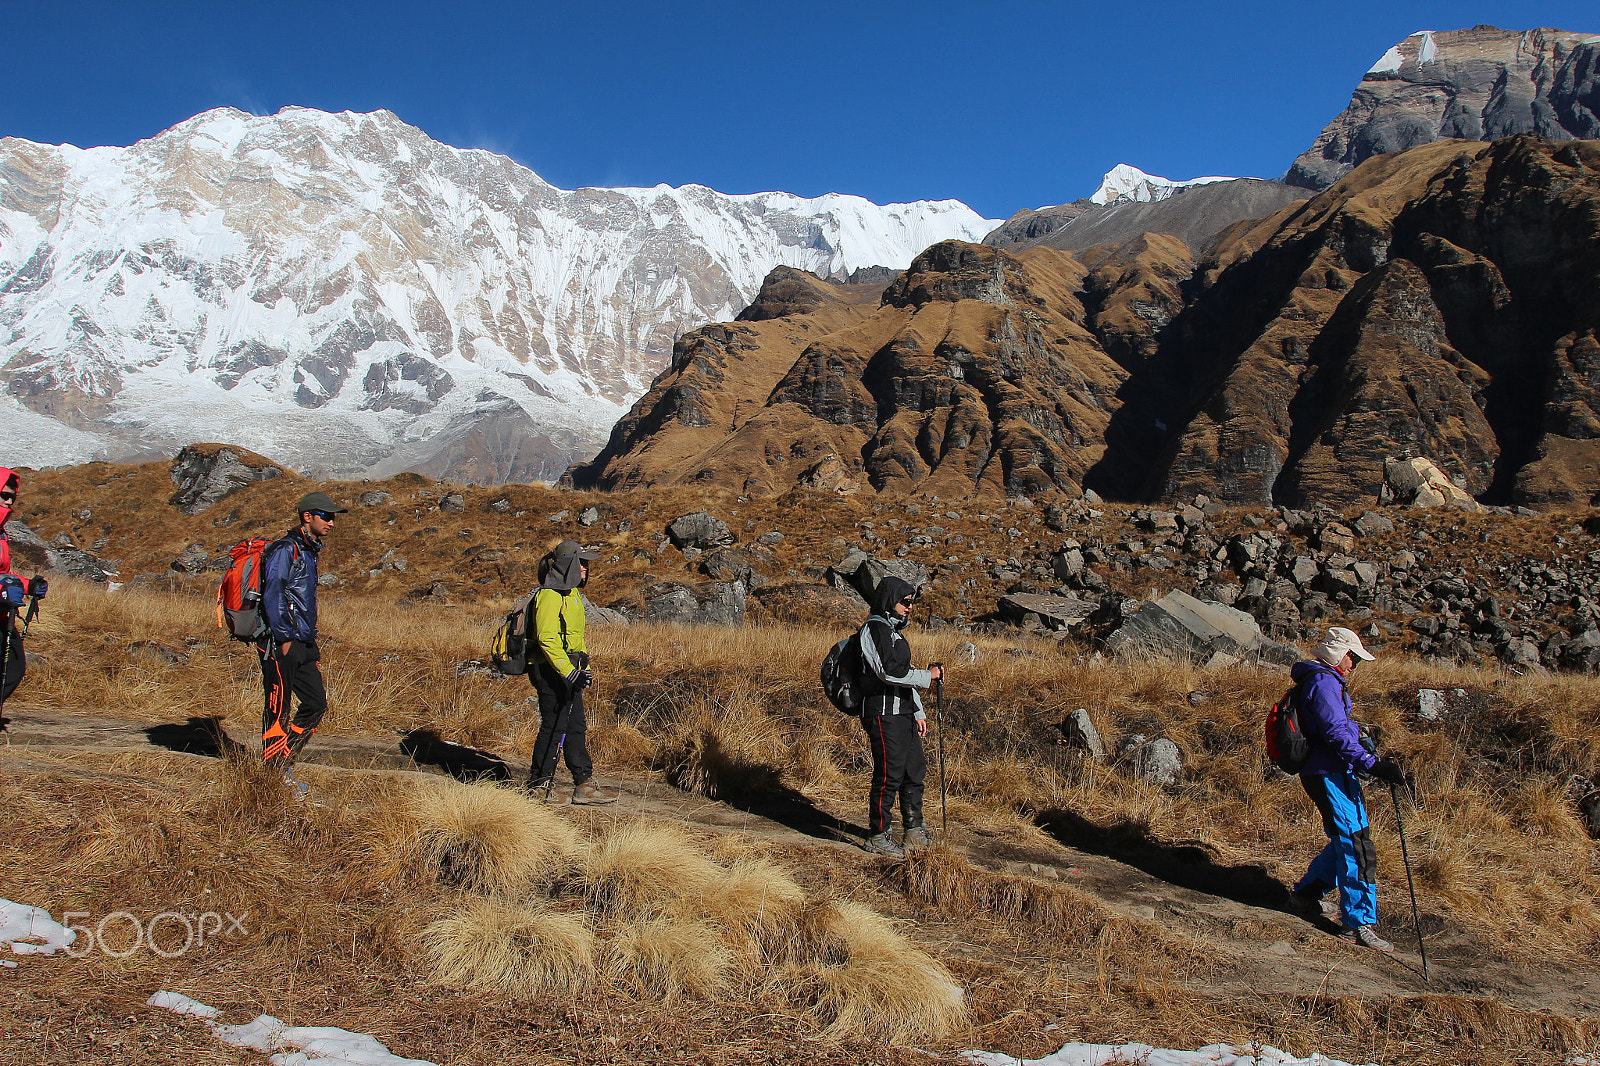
(1365, 936)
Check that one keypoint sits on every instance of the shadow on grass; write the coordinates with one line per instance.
(426, 748)
(1187, 865)
(197, 736)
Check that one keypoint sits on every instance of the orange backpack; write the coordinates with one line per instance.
(239, 595)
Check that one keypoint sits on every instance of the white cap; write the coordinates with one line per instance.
(1338, 642)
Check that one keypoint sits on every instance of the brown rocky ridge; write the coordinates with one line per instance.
(1436, 303)
(1479, 84)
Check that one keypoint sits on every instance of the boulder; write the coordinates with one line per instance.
(1179, 624)
(595, 615)
(373, 498)
(1420, 483)
(863, 573)
(453, 503)
(1081, 734)
(589, 516)
(1157, 761)
(29, 551)
(161, 653)
(194, 560)
(829, 474)
(810, 604)
(727, 564)
(205, 473)
(717, 603)
(966, 652)
(1371, 523)
(1053, 612)
(699, 530)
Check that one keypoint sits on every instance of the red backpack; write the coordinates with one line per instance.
(1287, 744)
(239, 595)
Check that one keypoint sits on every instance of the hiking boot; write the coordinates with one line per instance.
(591, 794)
(1365, 935)
(1312, 906)
(883, 844)
(916, 836)
(297, 788)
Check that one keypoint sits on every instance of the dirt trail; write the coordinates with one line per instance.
(1234, 910)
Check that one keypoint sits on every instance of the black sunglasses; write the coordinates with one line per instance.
(324, 515)
(909, 601)
(8, 496)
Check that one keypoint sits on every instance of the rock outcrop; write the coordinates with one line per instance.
(1480, 84)
(206, 473)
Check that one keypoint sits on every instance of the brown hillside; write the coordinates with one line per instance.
(1438, 302)
(976, 374)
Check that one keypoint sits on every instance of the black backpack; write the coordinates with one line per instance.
(509, 652)
(844, 675)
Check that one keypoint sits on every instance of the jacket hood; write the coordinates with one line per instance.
(565, 574)
(8, 478)
(890, 591)
(1300, 671)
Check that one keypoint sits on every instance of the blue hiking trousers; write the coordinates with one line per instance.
(1349, 862)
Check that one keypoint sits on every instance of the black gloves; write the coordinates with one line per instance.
(1387, 769)
(579, 680)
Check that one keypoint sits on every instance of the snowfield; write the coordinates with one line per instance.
(349, 297)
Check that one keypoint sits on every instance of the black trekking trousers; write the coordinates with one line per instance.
(282, 674)
(560, 715)
(898, 769)
(16, 661)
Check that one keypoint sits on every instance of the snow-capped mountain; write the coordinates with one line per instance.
(348, 296)
(1124, 182)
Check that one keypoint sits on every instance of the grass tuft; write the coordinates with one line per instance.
(487, 839)
(489, 945)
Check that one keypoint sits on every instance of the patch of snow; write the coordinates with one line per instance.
(1077, 1054)
(1426, 50)
(289, 1045)
(178, 1003)
(1389, 63)
(31, 931)
(1124, 182)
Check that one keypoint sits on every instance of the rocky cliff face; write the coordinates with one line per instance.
(1480, 84)
(1439, 302)
(345, 295)
(975, 373)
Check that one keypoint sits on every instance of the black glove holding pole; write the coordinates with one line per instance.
(1386, 769)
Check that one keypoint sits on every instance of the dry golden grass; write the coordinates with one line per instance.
(641, 868)
(518, 950)
(486, 839)
(864, 978)
(672, 957)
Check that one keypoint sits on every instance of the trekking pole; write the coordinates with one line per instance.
(36, 591)
(5, 664)
(563, 717)
(938, 702)
(1405, 855)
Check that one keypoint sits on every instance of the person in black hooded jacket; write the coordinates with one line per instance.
(894, 720)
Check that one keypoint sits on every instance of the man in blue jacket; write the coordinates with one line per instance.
(289, 654)
(1331, 777)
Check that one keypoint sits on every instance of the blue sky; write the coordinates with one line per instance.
(1002, 105)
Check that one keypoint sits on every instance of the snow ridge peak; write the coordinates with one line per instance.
(1125, 182)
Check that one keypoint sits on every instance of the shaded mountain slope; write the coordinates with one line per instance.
(1195, 215)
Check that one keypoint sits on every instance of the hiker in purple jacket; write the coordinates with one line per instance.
(1332, 778)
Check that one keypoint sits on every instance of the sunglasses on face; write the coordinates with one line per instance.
(909, 601)
(324, 515)
(8, 496)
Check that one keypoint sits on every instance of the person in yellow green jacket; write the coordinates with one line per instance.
(558, 666)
